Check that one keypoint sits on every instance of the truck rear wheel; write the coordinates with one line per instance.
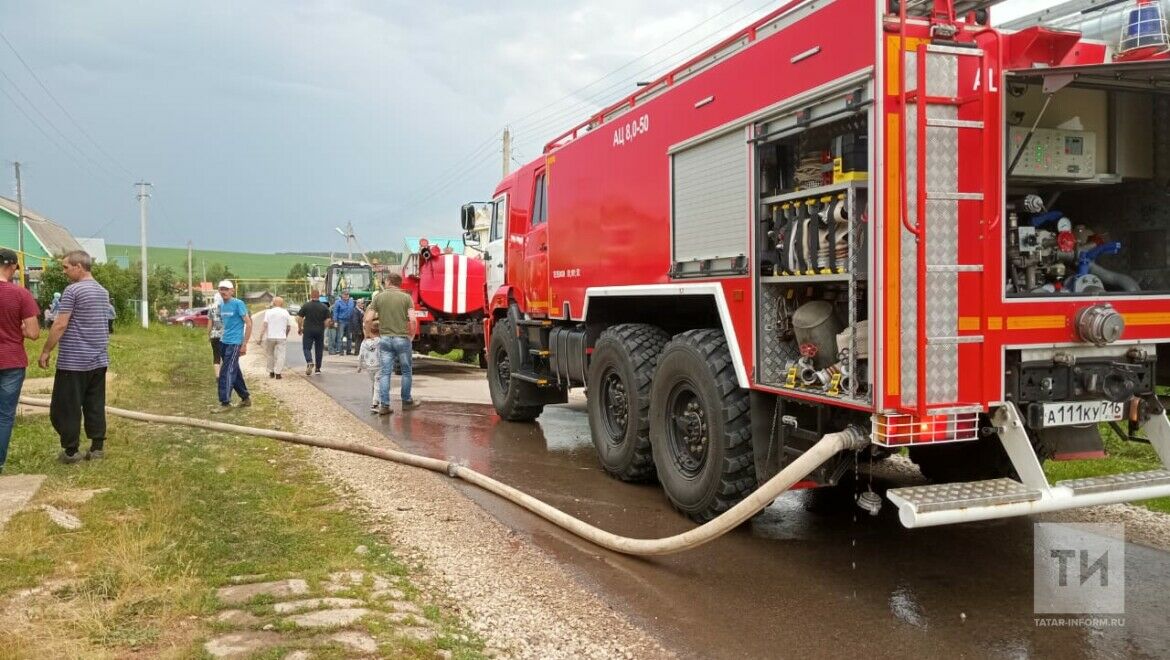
(513, 399)
(700, 426)
(620, 375)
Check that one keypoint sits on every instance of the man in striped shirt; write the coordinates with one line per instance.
(79, 384)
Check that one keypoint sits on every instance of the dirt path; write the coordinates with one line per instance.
(521, 601)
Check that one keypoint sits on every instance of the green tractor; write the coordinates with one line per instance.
(355, 276)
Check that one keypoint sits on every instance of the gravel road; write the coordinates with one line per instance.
(520, 600)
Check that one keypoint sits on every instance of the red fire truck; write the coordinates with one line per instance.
(851, 213)
(448, 293)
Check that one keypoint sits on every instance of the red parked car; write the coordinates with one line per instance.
(191, 318)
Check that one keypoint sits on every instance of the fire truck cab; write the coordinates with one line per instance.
(880, 215)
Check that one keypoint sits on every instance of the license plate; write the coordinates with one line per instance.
(1080, 412)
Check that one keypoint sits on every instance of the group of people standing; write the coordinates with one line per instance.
(386, 323)
(80, 332)
(344, 332)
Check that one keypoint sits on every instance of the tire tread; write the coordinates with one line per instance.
(738, 473)
(643, 343)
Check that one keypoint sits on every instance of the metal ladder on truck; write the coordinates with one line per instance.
(934, 225)
(938, 504)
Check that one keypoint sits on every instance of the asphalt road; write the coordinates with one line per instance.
(809, 576)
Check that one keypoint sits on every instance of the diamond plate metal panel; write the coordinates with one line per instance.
(909, 272)
(774, 354)
(942, 74)
(942, 151)
(946, 497)
(942, 299)
(941, 231)
(942, 373)
(1117, 482)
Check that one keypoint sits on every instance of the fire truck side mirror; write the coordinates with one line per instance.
(467, 217)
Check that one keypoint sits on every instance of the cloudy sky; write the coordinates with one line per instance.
(264, 124)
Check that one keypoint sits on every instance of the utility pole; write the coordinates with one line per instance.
(190, 285)
(507, 150)
(350, 238)
(142, 195)
(20, 228)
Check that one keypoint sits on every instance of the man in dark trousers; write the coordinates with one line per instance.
(18, 321)
(311, 326)
(342, 311)
(79, 384)
(237, 330)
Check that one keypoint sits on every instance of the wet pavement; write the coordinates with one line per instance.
(809, 576)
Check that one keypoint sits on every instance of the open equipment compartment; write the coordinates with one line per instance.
(1087, 210)
(812, 280)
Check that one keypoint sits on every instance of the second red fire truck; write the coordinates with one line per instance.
(891, 217)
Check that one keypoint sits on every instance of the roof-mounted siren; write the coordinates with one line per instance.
(1143, 34)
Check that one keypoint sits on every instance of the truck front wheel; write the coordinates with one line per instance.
(621, 371)
(700, 426)
(513, 399)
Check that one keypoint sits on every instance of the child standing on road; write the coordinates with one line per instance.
(369, 362)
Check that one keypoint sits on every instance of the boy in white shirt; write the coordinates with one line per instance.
(368, 361)
(274, 336)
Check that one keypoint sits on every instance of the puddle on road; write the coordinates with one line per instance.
(904, 606)
(792, 562)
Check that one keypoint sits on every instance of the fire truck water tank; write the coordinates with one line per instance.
(452, 284)
(816, 323)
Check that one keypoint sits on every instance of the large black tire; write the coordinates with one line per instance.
(513, 399)
(620, 373)
(700, 426)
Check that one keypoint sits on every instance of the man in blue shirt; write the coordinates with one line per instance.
(342, 310)
(237, 330)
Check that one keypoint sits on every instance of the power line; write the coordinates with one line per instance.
(53, 126)
(610, 95)
(68, 114)
(631, 62)
(37, 125)
(445, 181)
(426, 190)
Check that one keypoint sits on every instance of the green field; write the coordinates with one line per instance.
(244, 264)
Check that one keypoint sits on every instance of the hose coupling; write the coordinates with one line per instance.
(854, 438)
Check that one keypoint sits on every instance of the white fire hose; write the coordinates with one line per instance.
(823, 450)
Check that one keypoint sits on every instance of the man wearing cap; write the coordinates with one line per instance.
(79, 384)
(18, 321)
(237, 330)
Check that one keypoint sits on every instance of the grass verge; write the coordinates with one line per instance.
(184, 511)
(1123, 456)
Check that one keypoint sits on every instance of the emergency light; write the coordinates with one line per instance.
(1143, 35)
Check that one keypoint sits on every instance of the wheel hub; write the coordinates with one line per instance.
(503, 370)
(689, 437)
(616, 402)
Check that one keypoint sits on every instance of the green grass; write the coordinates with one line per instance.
(1123, 456)
(243, 264)
(186, 510)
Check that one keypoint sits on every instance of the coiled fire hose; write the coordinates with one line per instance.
(823, 450)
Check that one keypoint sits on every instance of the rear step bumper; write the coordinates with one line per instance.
(944, 504)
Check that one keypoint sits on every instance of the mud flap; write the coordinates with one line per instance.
(1071, 443)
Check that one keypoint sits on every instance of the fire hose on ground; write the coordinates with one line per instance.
(827, 447)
